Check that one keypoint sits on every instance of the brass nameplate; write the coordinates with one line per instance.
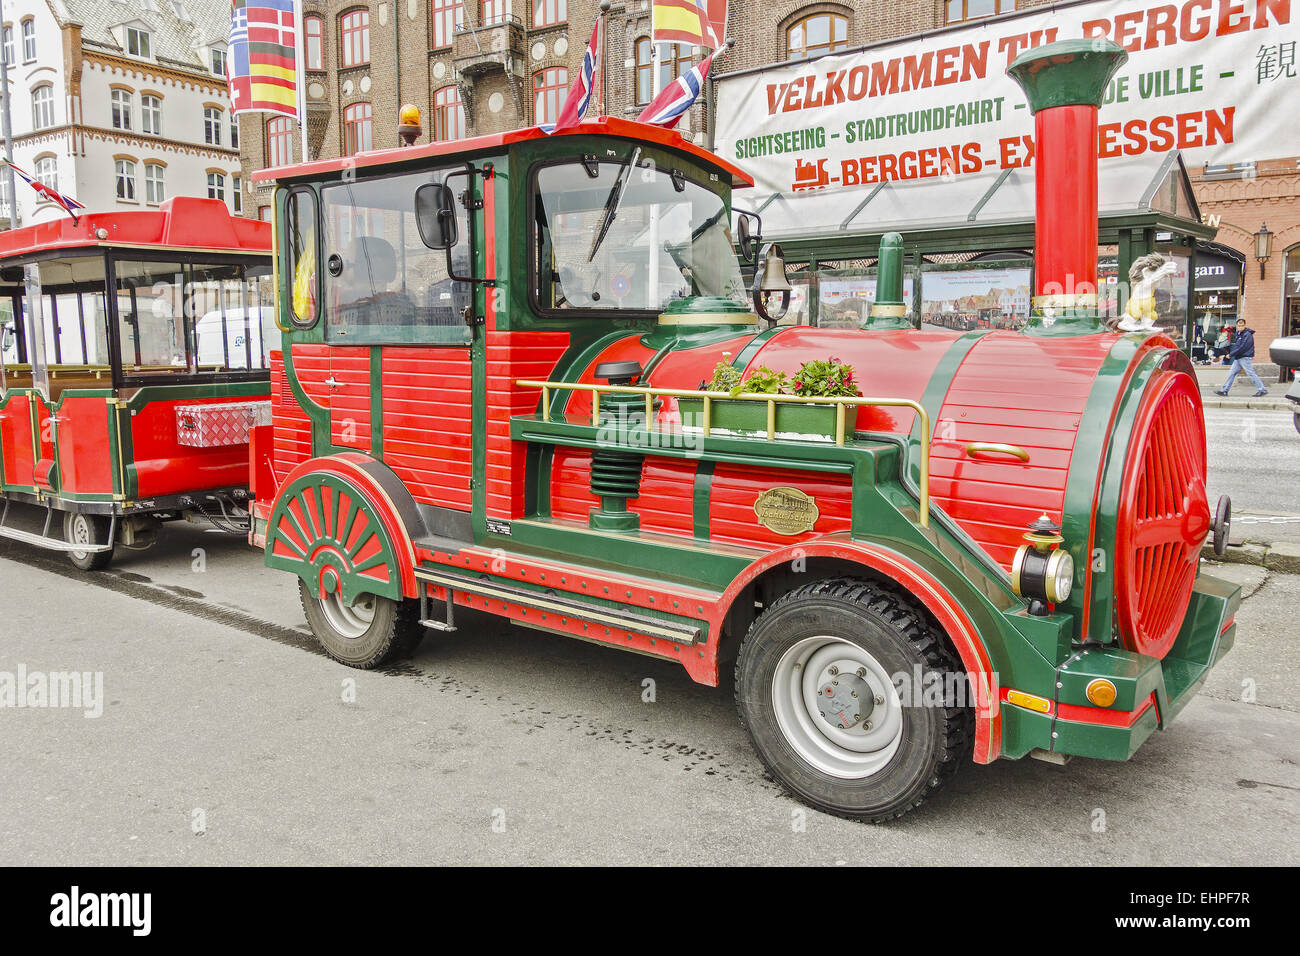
(786, 510)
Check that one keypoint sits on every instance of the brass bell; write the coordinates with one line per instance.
(774, 279)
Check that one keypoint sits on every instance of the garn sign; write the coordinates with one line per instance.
(1203, 76)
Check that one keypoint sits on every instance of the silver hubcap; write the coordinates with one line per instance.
(350, 621)
(80, 534)
(837, 707)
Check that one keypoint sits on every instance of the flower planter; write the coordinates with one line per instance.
(802, 419)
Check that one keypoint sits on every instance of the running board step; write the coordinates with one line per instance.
(678, 632)
(51, 543)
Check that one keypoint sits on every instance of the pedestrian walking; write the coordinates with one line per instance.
(1242, 354)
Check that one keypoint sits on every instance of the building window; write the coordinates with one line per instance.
(219, 62)
(120, 108)
(212, 126)
(960, 10)
(125, 170)
(9, 46)
(817, 35)
(137, 42)
(29, 41)
(279, 141)
(448, 114)
(644, 71)
(47, 172)
(43, 107)
(151, 115)
(179, 8)
(315, 29)
(264, 213)
(549, 89)
(495, 11)
(234, 131)
(448, 17)
(357, 129)
(217, 186)
(547, 13)
(675, 59)
(354, 37)
(154, 189)
(237, 194)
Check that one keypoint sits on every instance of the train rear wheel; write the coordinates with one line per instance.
(87, 529)
(818, 688)
(370, 631)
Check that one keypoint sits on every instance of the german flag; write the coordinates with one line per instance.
(262, 65)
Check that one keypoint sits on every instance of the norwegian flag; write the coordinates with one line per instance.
(578, 99)
(676, 98)
(68, 204)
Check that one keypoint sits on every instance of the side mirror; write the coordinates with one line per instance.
(750, 227)
(435, 215)
(769, 282)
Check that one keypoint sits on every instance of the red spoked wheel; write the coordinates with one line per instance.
(1164, 515)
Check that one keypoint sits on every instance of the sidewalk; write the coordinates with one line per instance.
(1212, 377)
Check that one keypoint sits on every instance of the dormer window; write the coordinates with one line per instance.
(137, 42)
(219, 62)
(179, 7)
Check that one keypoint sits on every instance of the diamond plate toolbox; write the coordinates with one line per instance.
(214, 425)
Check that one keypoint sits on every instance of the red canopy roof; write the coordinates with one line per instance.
(604, 126)
(184, 222)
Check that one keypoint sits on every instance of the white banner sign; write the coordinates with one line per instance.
(1213, 78)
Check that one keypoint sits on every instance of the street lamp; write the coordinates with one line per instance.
(1263, 247)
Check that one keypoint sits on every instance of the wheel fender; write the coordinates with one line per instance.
(932, 594)
(344, 523)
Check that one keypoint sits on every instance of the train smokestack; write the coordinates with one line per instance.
(1065, 83)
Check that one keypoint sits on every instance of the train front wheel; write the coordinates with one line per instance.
(365, 633)
(824, 687)
(87, 529)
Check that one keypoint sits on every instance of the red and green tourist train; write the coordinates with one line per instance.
(134, 362)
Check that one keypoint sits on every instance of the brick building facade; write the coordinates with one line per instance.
(482, 66)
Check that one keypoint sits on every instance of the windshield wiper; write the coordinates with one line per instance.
(613, 200)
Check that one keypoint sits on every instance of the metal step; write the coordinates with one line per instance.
(51, 543)
(680, 632)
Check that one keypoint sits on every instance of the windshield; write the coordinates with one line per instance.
(629, 236)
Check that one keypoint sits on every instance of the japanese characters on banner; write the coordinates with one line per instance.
(1207, 77)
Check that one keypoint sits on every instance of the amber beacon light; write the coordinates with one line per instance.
(408, 124)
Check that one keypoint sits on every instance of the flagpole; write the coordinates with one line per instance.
(15, 219)
(603, 47)
(300, 73)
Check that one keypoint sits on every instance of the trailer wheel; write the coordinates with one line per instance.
(81, 528)
(815, 687)
(373, 630)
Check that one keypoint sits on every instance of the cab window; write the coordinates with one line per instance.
(382, 284)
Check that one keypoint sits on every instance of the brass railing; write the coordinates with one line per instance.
(842, 404)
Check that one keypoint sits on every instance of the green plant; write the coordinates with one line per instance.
(725, 376)
(763, 381)
(828, 378)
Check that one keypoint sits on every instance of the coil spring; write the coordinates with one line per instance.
(616, 474)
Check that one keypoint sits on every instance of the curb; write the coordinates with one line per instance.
(1282, 556)
(1246, 403)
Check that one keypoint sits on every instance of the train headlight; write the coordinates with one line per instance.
(1042, 570)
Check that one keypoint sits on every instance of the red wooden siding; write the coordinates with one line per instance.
(350, 398)
(736, 489)
(291, 443)
(665, 502)
(428, 416)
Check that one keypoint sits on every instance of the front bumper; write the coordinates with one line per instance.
(1149, 693)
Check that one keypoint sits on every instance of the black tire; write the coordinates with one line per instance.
(394, 632)
(933, 740)
(92, 529)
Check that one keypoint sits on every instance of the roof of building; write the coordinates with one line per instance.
(178, 31)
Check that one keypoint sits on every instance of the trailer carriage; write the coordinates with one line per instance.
(493, 396)
(134, 363)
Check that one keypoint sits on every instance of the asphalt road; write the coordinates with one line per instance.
(227, 737)
(1254, 456)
